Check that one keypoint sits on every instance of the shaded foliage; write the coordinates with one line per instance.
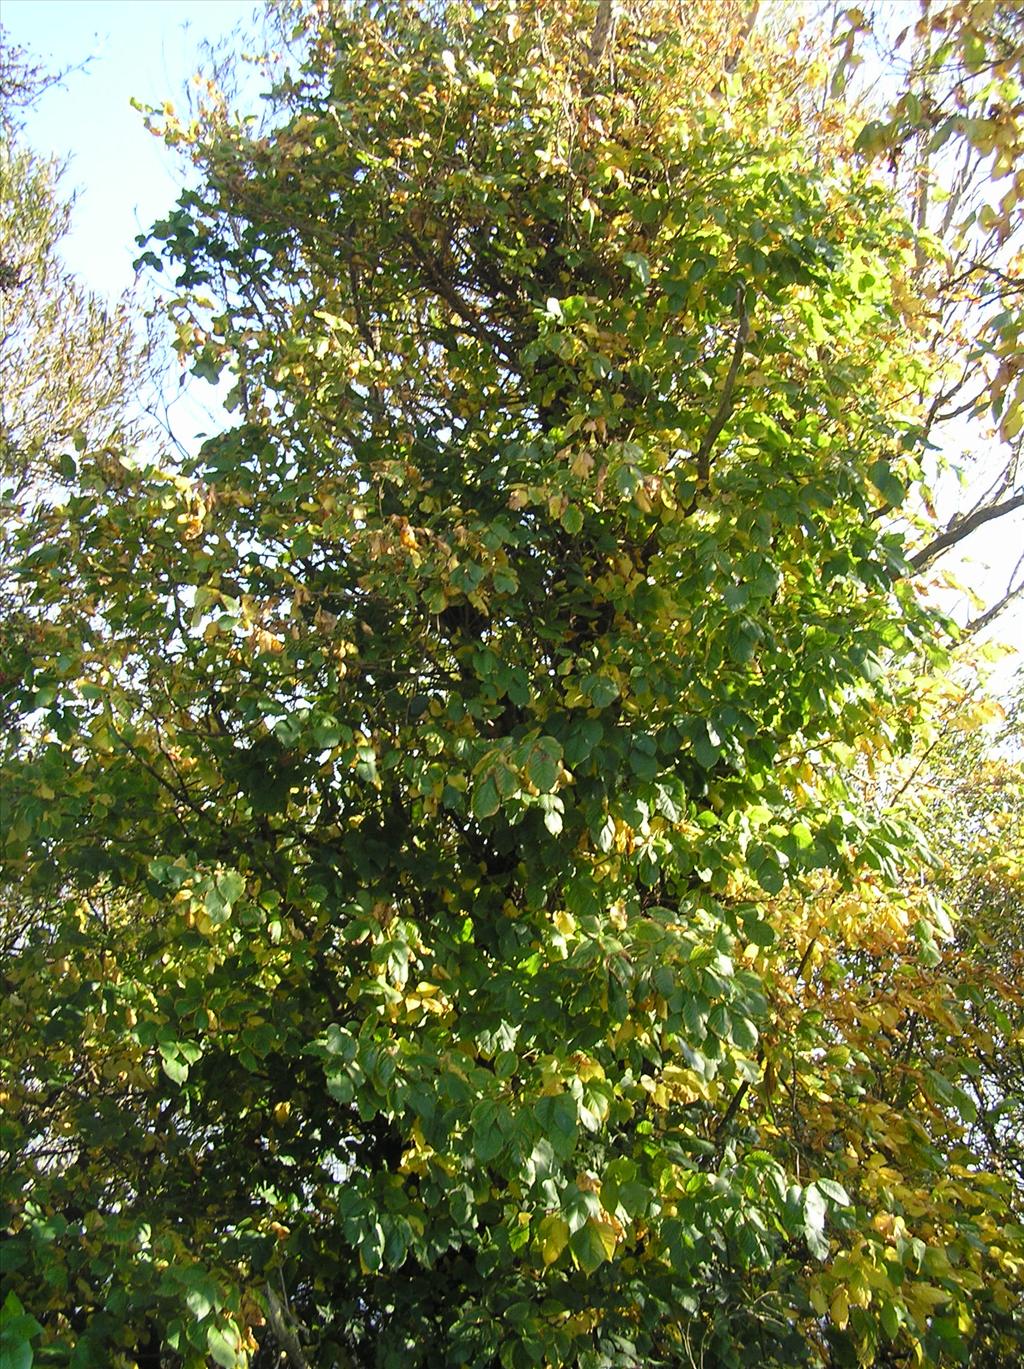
(454, 922)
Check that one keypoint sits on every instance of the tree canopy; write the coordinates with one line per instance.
(479, 843)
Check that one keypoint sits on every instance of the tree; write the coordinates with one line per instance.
(67, 362)
(951, 140)
(441, 851)
(67, 366)
(970, 791)
(929, 1123)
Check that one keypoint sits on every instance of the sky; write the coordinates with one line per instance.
(126, 178)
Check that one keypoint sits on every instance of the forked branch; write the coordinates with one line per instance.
(726, 403)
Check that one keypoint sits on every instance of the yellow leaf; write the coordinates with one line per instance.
(987, 217)
(1013, 421)
(840, 1309)
(552, 1237)
(928, 1295)
(606, 1234)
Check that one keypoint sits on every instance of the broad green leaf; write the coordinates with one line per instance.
(814, 1209)
(15, 1351)
(593, 1244)
(223, 1348)
(833, 1191)
(486, 800)
(885, 482)
(173, 1066)
(639, 265)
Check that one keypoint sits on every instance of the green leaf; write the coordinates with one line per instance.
(173, 1066)
(975, 52)
(340, 1086)
(743, 1032)
(833, 1191)
(17, 1329)
(601, 689)
(15, 1351)
(705, 749)
(558, 1121)
(890, 1318)
(14, 1318)
(593, 1244)
(695, 1016)
(770, 877)
(371, 1248)
(486, 800)
(583, 737)
(202, 1297)
(720, 1022)
(872, 137)
(230, 886)
(488, 1136)
(814, 1209)
(886, 483)
(222, 1349)
(208, 367)
(639, 265)
(542, 764)
(758, 931)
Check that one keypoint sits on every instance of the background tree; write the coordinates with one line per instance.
(441, 797)
(926, 1123)
(950, 137)
(68, 366)
(67, 362)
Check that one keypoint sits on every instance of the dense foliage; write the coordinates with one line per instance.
(456, 908)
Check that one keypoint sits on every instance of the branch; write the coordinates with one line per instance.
(1012, 593)
(283, 1334)
(957, 531)
(725, 404)
(742, 38)
(473, 322)
(743, 1089)
(603, 24)
(1013, 283)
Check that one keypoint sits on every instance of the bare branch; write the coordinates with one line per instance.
(961, 528)
(1012, 592)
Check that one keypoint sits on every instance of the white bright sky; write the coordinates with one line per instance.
(125, 177)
